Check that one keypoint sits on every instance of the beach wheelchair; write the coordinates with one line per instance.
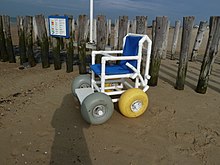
(117, 79)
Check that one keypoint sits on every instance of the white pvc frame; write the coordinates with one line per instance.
(119, 81)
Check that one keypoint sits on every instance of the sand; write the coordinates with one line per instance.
(40, 122)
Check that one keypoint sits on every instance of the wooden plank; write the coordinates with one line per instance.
(29, 40)
(69, 46)
(184, 51)
(82, 43)
(122, 31)
(161, 28)
(210, 54)
(8, 39)
(3, 52)
(43, 40)
(175, 39)
(198, 41)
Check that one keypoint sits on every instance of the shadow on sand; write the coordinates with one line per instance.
(69, 146)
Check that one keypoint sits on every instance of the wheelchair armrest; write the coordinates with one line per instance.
(105, 53)
(118, 58)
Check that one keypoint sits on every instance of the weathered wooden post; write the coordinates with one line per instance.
(82, 44)
(153, 31)
(133, 26)
(3, 54)
(122, 31)
(198, 40)
(21, 35)
(210, 54)
(184, 52)
(161, 28)
(29, 40)
(175, 39)
(108, 32)
(101, 35)
(141, 24)
(116, 28)
(56, 52)
(141, 28)
(69, 47)
(43, 39)
(164, 54)
(56, 44)
(101, 32)
(8, 39)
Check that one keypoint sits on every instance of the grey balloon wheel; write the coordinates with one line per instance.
(81, 81)
(97, 108)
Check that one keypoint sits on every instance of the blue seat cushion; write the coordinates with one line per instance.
(111, 69)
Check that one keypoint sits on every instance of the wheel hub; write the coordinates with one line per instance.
(99, 111)
(84, 85)
(136, 106)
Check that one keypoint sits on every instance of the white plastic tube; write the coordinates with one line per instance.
(91, 21)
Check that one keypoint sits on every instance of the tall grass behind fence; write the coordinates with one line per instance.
(182, 42)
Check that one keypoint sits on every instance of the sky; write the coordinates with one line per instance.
(112, 9)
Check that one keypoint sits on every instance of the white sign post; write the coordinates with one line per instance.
(91, 21)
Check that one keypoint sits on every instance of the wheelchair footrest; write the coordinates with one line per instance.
(82, 93)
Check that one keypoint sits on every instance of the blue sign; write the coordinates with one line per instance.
(58, 26)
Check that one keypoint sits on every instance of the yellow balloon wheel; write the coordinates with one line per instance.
(133, 102)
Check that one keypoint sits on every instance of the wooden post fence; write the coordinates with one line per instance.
(29, 40)
(184, 52)
(108, 32)
(161, 28)
(101, 32)
(69, 47)
(3, 52)
(56, 52)
(43, 40)
(198, 40)
(133, 26)
(153, 31)
(122, 30)
(21, 35)
(164, 54)
(141, 22)
(210, 54)
(8, 39)
(82, 44)
(175, 39)
(116, 34)
(101, 35)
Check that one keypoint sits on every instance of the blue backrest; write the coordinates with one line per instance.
(131, 49)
